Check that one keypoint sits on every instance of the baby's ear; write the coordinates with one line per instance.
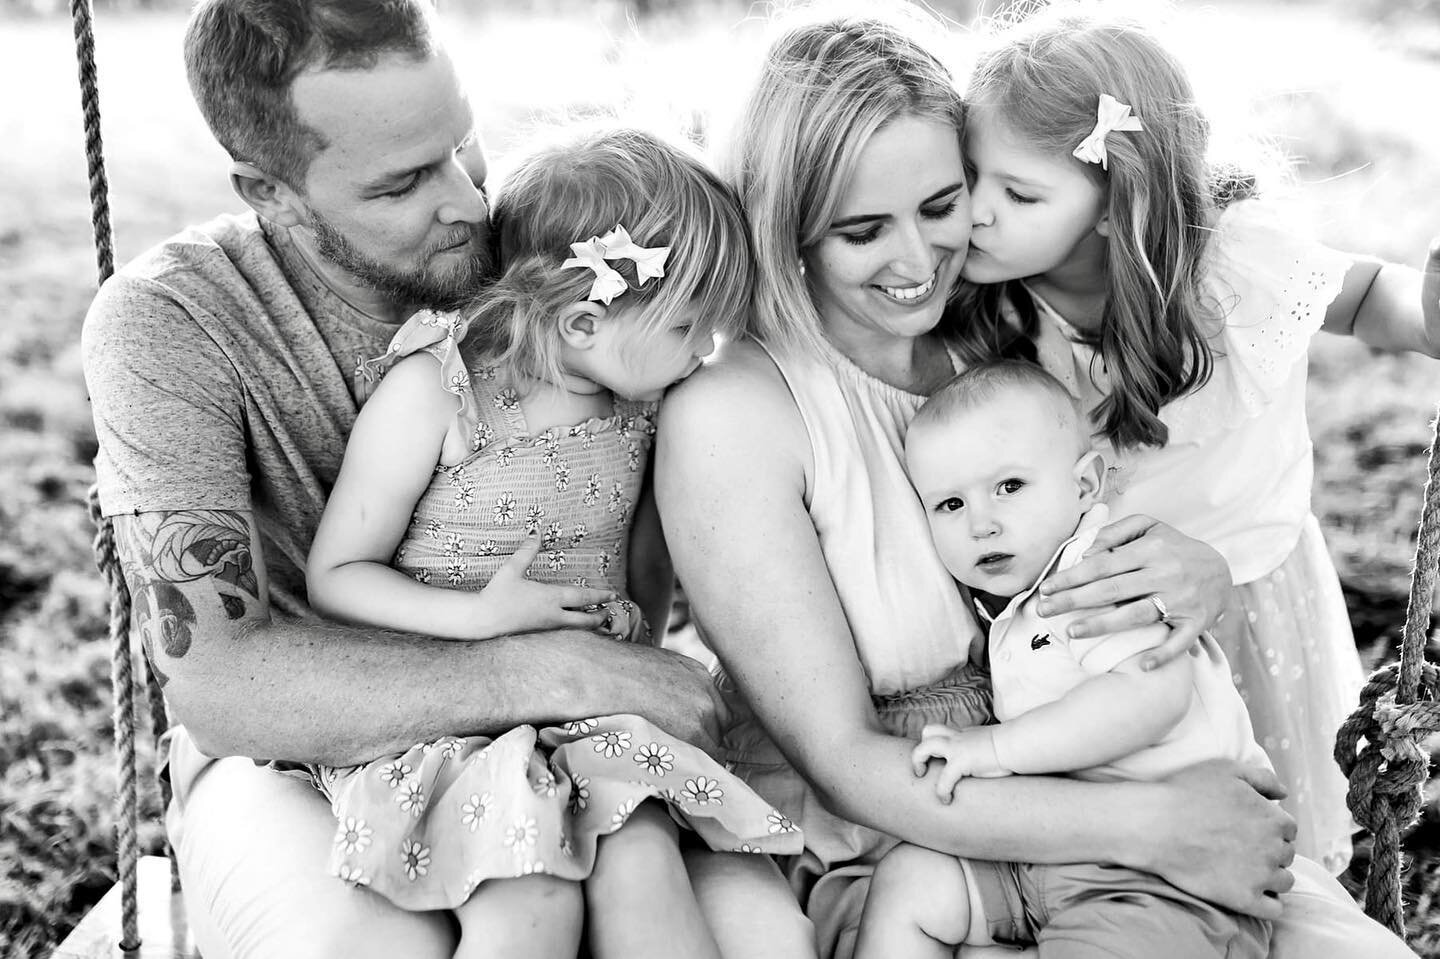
(579, 322)
(1089, 475)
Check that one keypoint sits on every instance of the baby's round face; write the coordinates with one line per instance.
(1001, 484)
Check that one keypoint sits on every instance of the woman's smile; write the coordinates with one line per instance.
(915, 295)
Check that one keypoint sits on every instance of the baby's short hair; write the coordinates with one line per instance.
(984, 382)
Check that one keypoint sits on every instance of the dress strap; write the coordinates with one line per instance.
(439, 334)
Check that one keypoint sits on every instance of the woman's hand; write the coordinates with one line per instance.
(510, 603)
(1221, 839)
(1138, 572)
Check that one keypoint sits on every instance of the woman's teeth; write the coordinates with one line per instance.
(904, 293)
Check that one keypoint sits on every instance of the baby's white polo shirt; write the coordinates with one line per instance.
(1034, 662)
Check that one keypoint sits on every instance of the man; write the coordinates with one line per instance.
(222, 369)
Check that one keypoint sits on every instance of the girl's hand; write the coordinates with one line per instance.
(510, 603)
(1133, 560)
(1221, 839)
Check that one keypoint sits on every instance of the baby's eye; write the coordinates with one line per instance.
(1018, 197)
(1010, 485)
(950, 505)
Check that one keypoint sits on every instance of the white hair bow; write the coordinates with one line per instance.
(615, 245)
(1111, 115)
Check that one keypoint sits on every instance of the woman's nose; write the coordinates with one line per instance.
(915, 258)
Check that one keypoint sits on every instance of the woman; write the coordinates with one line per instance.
(806, 556)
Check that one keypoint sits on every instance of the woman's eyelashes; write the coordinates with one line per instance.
(933, 212)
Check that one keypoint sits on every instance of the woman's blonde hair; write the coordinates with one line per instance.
(824, 90)
(1044, 78)
(583, 187)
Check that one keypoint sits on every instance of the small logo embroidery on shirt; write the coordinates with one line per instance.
(1036, 642)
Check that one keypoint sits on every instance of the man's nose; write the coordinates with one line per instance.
(464, 201)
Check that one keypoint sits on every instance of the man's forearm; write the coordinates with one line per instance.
(342, 694)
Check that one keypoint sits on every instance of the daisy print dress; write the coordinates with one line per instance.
(425, 827)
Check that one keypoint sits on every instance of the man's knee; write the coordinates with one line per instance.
(253, 847)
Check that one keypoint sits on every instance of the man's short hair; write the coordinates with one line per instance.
(242, 57)
(983, 382)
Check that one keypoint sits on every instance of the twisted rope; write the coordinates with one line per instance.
(122, 682)
(94, 152)
(1397, 709)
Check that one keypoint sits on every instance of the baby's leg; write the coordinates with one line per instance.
(918, 906)
(537, 916)
(638, 899)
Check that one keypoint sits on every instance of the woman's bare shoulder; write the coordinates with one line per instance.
(743, 380)
(738, 402)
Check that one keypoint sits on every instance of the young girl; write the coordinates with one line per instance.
(1180, 317)
(494, 484)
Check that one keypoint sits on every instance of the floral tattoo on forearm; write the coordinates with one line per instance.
(163, 549)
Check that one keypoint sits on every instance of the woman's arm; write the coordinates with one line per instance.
(389, 461)
(1389, 306)
(731, 478)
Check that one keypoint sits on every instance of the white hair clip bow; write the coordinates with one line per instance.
(615, 245)
(1111, 115)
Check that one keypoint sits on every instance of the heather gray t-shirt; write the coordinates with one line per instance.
(220, 371)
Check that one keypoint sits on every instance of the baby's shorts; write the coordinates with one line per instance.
(1093, 910)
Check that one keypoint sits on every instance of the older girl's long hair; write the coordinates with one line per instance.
(1044, 81)
(823, 91)
(582, 187)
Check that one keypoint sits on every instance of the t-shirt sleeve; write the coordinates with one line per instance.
(167, 403)
(1101, 654)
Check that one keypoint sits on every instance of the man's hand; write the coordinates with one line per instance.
(683, 698)
(965, 752)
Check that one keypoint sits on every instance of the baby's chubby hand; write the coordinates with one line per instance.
(965, 752)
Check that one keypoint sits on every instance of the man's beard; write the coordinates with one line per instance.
(446, 289)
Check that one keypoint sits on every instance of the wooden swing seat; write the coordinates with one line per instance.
(164, 927)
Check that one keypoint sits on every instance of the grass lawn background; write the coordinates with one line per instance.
(1348, 89)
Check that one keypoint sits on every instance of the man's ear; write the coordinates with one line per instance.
(1089, 475)
(580, 322)
(273, 199)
